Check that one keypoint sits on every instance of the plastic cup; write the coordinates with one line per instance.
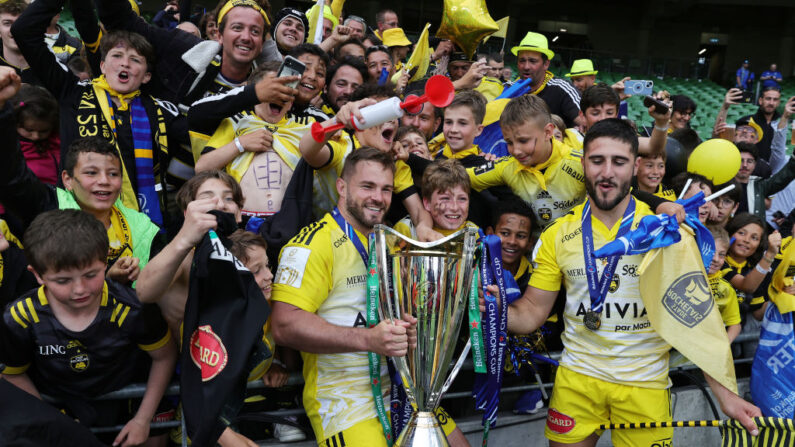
(728, 132)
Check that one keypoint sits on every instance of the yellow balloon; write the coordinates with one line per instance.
(716, 159)
(466, 23)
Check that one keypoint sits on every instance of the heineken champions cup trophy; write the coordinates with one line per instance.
(431, 282)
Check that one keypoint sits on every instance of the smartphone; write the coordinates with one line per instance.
(748, 97)
(659, 106)
(638, 87)
(291, 67)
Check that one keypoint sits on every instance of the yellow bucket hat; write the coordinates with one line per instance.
(327, 14)
(581, 67)
(534, 42)
(395, 37)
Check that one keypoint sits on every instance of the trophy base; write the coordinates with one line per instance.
(422, 430)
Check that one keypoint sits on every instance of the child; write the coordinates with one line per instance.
(541, 170)
(462, 123)
(560, 128)
(651, 170)
(698, 183)
(513, 225)
(259, 150)
(412, 140)
(36, 116)
(445, 196)
(722, 291)
(79, 336)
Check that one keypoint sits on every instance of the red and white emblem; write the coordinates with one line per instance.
(207, 352)
(559, 422)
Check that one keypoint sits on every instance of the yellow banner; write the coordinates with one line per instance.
(677, 296)
(503, 31)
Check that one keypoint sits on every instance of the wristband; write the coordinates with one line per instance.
(662, 129)
(762, 270)
(240, 147)
(279, 362)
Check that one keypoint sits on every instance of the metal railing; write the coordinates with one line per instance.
(137, 390)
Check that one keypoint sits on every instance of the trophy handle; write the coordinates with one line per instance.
(455, 370)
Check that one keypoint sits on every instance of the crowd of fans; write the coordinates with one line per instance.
(117, 143)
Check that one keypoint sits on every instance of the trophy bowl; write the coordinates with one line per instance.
(431, 282)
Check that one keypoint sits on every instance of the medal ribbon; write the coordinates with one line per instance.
(597, 288)
(495, 326)
(373, 359)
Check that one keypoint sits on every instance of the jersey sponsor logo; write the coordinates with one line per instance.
(220, 253)
(564, 204)
(574, 174)
(543, 195)
(623, 310)
(338, 243)
(292, 266)
(689, 299)
(615, 283)
(360, 320)
(52, 349)
(629, 270)
(560, 423)
(575, 273)
(207, 352)
(665, 442)
(570, 236)
(545, 213)
(484, 168)
(355, 281)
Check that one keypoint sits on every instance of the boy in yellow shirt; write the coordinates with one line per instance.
(722, 291)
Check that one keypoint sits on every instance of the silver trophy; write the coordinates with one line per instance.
(430, 281)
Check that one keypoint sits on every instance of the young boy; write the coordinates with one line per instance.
(698, 183)
(724, 293)
(445, 196)
(541, 170)
(259, 150)
(651, 170)
(462, 123)
(79, 336)
(513, 225)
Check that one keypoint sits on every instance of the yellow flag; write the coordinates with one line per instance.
(677, 296)
(783, 277)
(336, 8)
(315, 17)
(420, 58)
(503, 31)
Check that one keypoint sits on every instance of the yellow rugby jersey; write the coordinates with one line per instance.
(320, 271)
(665, 192)
(725, 298)
(573, 138)
(625, 349)
(563, 181)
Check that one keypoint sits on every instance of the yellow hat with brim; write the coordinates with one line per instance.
(534, 42)
(395, 37)
(327, 14)
(581, 67)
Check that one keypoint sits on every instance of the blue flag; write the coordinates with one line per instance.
(662, 230)
(772, 376)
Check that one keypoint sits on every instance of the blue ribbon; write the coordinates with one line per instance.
(597, 288)
(495, 329)
(351, 234)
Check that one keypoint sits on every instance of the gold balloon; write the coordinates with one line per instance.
(466, 23)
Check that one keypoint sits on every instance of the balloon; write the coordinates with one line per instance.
(466, 23)
(716, 159)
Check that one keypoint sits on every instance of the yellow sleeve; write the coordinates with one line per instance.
(489, 174)
(404, 182)
(339, 150)
(224, 134)
(730, 311)
(403, 227)
(546, 274)
(303, 278)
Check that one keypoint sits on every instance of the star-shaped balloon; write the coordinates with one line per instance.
(466, 23)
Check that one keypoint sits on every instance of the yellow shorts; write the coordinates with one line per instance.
(580, 404)
(369, 433)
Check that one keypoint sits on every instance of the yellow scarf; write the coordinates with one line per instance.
(784, 301)
(537, 170)
(737, 266)
(124, 99)
(447, 152)
(119, 236)
(547, 77)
